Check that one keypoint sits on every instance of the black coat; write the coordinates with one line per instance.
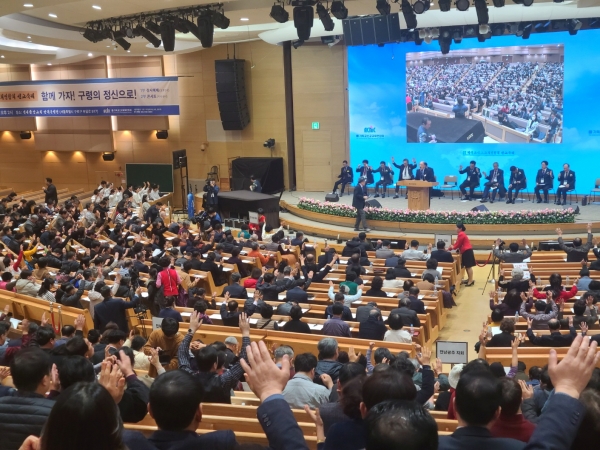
(442, 256)
(408, 316)
(547, 181)
(365, 172)
(372, 329)
(499, 177)
(411, 167)
(22, 415)
(358, 200)
(236, 291)
(346, 175)
(554, 339)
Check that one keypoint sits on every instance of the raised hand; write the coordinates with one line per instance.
(244, 325)
(582, 325)
(571, 375)
(195, 321)
(112, 379)
(527, 391)
(425, 357)
(263, 376)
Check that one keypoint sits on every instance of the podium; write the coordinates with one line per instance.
(418, 193)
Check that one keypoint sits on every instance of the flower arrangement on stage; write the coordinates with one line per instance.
(443, 217)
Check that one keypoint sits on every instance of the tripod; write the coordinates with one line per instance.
(492, 273)
(184, 180)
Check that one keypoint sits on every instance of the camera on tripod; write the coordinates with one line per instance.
(501, 246)
(141, 309)
(202, 220)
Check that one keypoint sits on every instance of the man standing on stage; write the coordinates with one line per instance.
(366, 172)
(423, 135)
(517, 182)
(424, 173)
(567, 183)
(255, 184)
(472, 181)
(543, 182)
(358, 201)
(495, 183)
(346, 176)
(406, 172)
(386, 178)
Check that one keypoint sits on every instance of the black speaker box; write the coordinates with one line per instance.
(372, 203)
(480, 208)
(108, 156)
(231, 93)
(332, 198)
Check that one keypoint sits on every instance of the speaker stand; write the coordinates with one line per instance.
(184, 193)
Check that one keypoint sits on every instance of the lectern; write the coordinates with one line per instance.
(418, 193)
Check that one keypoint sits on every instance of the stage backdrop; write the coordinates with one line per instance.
(378, 109)
(154, 96)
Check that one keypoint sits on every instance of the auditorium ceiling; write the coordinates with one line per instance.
(45, 31)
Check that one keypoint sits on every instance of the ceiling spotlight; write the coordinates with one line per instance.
(422, 33)
(525, 29)
(2, 56)
(96, 7)
(153, 26)
(123, 43)
(409, 15)
(482, 12)
(498, 29)
(498, 3)
(146, 34)
(90, 54)
(298, 43)
(54, 16)
(245, 19)
(427, 39)
(383, 7)
(181, 25)
(445, 46)
(484, 28)
(420, 6)
(445, 34)
(434, 33)
(527, 2)
(444, 5)
(339, 10)
(325, 18)
(28, 5)
(206, 30)
(470, 30)
(92, 35)
(574, 25)
(167, 34)
(279, 13)
(457, 36)
(303, 21)
(219, 20)
(462, 5)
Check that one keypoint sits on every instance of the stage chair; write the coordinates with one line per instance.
(450, 183)
(596, 189)
(570, 192)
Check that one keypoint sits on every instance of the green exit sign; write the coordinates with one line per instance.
(315, 125)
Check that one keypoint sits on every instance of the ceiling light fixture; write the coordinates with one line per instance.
(146, 34)
(325, 18)
(220, 20)
(383, 7)
(339, 10)
(28, 5)
(96, 7)
(303, 21)
(420, 6)
(2, 56)
(279, 13)
(90, 54)
(444, 5)
(482, 12)
(167, 33)
(245, 19)
(54, 16)
(409, 15)
(462, 5)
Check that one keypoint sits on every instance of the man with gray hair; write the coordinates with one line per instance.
(30, 225)
(408, 316)
(328, 363)
(235, 289)
(514, 255)
(278, 355)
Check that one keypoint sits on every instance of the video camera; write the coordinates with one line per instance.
(202, 220)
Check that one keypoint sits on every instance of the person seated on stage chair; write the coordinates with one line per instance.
(579, 251)
(460, 109)
(345, 177)
(441, 254)
(566, 179)
(543, 182)
(423, 135)
(413, 252)
(386, 178)
(406, 172)
(517, 182)
(495, 183)
(255, 184)
(514, 255)
(472, 181)
(366, 172)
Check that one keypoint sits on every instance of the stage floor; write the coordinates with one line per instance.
(589, 213)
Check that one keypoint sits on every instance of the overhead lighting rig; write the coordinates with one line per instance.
(197, 20)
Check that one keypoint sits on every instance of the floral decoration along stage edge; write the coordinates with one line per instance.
(443, 217)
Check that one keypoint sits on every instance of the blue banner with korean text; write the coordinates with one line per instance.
(154, 96)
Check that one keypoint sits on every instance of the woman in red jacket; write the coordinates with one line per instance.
(560, 295)
(465, 248)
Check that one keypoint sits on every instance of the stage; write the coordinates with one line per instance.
(482, 236)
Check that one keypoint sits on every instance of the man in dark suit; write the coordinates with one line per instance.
(113, 310)
(386, 178)
(415, 304)
(255, 184)
(554, 123)
(441, 254)
(566, 179)
(544, 181)
(555, 338)
(406, 171)
(175, 407)
(424, 173)
(517, 183)
(51, 192)
(495, 183)
(346, 176)
(472, 180)
(297, 294)
(579, 251)
(366, 172)
(400, 270)
(477, 405)
(580, 316)
(235, 289)
(408, 316)
(297, 241)
(358, 202)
